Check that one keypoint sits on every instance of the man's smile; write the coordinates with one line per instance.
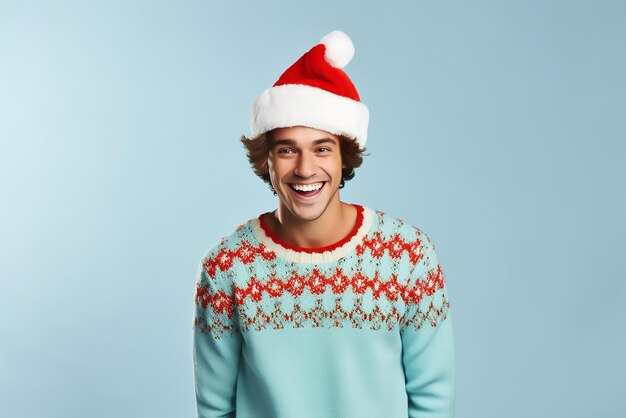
(307, 190)
(306, 187)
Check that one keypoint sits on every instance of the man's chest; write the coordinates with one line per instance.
(355, 292)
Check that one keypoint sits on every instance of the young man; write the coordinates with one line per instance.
(320, 308)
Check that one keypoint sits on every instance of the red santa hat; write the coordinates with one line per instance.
(315, 92)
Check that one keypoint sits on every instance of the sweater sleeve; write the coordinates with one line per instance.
(216, 343)
(427, 341)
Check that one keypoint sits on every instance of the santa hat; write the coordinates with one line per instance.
(315, 92)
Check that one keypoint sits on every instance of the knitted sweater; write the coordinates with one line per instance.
(358, 329)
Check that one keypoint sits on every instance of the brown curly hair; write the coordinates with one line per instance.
(258, 150)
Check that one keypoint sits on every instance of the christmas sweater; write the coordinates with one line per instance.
(358, 329)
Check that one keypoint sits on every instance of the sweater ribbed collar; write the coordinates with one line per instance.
(326, 254)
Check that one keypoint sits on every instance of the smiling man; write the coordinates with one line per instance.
(305, 170)
(320, 308)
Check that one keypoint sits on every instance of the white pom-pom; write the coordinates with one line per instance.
(339, 48)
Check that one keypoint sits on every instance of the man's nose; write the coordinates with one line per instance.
(305, 166)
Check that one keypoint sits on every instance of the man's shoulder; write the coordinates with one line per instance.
(241, 235)
(396, 238)
(389, 226)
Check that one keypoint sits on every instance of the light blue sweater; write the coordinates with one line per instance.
(360, 329)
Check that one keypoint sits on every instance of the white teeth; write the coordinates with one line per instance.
(307, 187)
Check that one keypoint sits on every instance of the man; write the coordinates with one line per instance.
(320, 308)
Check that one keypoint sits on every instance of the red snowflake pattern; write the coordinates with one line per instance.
(245, 295)
(359, 283)
(376, 245)
(245, 252)
(255, 290)
(395, 247)
(275, 287)
(296, 284)
(393, 289)
(222, 303)
(415, 251)
(318, 317)
(339, 282)
(225, 259)
(317, 282)
(416, 293)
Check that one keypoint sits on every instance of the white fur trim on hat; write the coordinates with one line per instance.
(299, 105)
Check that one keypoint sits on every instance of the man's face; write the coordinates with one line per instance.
(305, 170)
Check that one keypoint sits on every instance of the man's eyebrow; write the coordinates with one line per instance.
(324, 141)
(279, 142)
(292, 143)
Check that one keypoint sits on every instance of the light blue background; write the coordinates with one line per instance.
(499, 128)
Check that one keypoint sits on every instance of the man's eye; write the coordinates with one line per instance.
(285, 151)
(323, 149)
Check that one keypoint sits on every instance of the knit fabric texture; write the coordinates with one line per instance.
(358, 329)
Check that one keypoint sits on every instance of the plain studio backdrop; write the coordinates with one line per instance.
(498, 128)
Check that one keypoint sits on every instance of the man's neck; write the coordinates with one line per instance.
(337, 221)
